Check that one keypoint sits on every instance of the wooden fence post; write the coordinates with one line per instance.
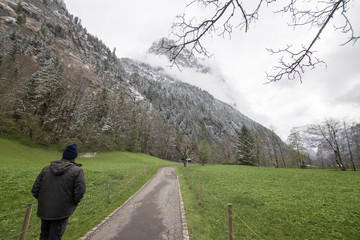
(200, 193)
(133, 178)
(109, 189)
(231, 233)
(26, 221)
(190, 180)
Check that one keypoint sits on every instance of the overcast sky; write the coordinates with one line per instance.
(332, 91)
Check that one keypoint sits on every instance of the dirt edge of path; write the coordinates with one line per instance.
(185, 231)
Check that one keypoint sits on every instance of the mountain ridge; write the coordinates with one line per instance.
(74, 88)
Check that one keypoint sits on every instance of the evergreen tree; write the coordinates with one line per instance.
(245, 151)
(21, 17)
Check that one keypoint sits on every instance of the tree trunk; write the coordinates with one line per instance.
(339, 160)
(350, 152)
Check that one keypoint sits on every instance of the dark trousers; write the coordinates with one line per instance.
(53, 229)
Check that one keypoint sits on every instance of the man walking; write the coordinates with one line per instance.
(59, 188)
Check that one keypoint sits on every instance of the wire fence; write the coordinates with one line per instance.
(12, 213)
(225, 225)
(218, 210)
(18, 233)
(237, 215)
(15, 230)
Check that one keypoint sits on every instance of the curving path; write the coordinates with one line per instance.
(152, 214)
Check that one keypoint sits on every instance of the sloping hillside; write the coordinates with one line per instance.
(60, 84)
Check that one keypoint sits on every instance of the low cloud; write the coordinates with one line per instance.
(213, 81)
(351, 96)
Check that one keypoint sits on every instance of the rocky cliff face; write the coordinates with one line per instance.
(59, 83)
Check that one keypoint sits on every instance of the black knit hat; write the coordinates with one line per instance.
(70, 152)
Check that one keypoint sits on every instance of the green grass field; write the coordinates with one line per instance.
(20, 165)
(274, 203)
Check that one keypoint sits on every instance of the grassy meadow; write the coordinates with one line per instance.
(20, 165)
(273, 203)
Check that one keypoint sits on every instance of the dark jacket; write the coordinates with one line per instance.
(59, 188)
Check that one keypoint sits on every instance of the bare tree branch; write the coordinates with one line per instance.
(189, 33)
(230, 14)
(303, 59)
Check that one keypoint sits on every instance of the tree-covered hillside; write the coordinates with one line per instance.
(61, 84)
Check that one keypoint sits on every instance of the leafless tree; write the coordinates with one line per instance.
(156, 136)
(227, 15)
(185, 148)
(349, 147)
(330, 130)
(356, 139)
